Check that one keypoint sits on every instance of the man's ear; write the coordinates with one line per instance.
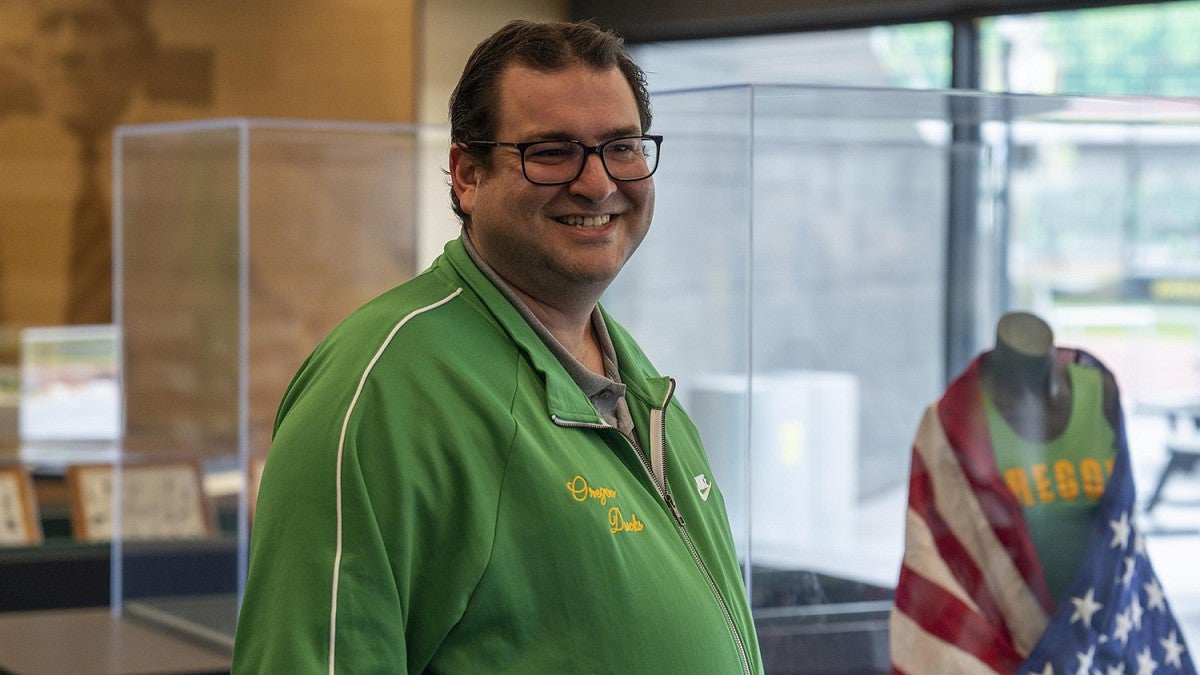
(465, 173)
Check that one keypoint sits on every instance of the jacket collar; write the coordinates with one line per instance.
(564, 399)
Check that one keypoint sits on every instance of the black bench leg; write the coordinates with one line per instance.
(1174, 464)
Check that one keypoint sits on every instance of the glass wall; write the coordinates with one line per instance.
(914, 55)
(794, 284)
(278, 229)
(1103, 238)
(1093, 224)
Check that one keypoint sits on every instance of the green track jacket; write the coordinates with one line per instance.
(440, 496)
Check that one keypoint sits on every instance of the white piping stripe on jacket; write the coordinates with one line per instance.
(362, 381)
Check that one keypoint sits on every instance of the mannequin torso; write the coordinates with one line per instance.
(1028, 387)
(1053, 436)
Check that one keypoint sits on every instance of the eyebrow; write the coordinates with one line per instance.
(619, 132)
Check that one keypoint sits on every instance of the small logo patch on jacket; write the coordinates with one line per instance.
(703, 486)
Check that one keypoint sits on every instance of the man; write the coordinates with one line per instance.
(92, 57)
(86, 63)
(480, 470)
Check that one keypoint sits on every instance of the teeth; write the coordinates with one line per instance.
(585, 221)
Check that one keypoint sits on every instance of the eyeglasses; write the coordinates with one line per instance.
(560, 162)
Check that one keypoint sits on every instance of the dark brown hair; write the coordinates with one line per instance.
(545, 46)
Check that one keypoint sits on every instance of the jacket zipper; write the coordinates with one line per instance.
(658, 460)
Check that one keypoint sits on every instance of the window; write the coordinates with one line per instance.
(1096, 227)
(915, 56)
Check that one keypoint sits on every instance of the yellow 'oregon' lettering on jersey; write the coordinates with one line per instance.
(1063, 481)
(581, 491)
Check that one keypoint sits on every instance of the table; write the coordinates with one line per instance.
(94, 640)
(1182, 444)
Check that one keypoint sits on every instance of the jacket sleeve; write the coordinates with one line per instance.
(372, 528)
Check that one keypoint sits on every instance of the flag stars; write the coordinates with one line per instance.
(1146, 664)
(1155, 596)
(1174, 649)
(1086, 607)
(1130, 564)
(1118, 669)
(1124, 625)
(1085, 661)
(1135, 611)
(1121, 530)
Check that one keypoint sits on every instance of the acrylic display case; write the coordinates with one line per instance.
(821, 261)
(795, 283)
(239, 244)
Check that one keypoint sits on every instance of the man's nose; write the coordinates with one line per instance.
(594, 182)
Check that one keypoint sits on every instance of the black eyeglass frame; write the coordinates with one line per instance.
(597, 150)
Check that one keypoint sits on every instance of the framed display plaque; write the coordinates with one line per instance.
(20, 524)
(157, 502)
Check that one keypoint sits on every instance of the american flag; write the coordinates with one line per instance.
(971, 597)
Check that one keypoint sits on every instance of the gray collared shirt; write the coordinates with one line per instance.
(606, 392)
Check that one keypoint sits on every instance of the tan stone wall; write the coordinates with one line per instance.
(309, 59)
(369, 60)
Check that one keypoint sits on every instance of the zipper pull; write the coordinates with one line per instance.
(674, 509)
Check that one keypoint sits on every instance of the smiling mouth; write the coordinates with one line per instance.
(586, 222)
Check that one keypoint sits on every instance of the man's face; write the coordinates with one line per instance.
(90, 58)
(560, 242)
